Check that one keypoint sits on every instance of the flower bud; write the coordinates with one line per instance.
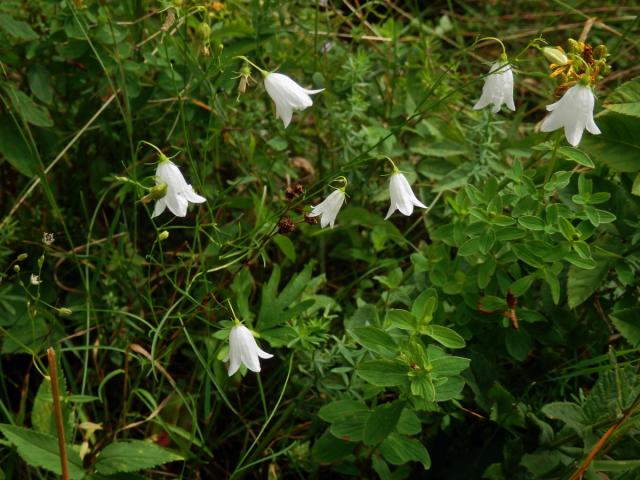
(16, 268)
(600, 52)
(203, 31)
(575, 46)
(22, 257)
(64, 311)
(163, 235)
(555, 55)
(41, 261)
(155, 193)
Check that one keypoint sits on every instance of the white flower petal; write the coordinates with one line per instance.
(287, 95)
(401, 196)
(498, 88)
(243, 349)
(328, 209)
(179, 193)
(574, 113)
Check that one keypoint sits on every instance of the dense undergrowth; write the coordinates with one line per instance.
(493, 335)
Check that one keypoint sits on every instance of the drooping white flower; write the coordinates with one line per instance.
(35, 279)
(329, 208)
(179, 192)
(498, 88)
(402, 197)
(287, 95)
(243, 349)
(574, 112)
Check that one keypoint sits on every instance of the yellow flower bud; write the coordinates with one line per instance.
(163, 235)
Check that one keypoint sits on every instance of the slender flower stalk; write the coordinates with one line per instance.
(574, 113)
(179, 192)
(329, 208)
(402, 197)
(244, 350)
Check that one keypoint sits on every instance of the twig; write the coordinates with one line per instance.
(57, 411)
(603, 440)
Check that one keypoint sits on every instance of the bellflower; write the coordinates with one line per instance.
(179, 193)
(243, 349)
(402, 197)
(574, 112)
(498, 87)
(287, 95)
(329, 208)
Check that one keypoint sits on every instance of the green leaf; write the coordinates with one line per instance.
(286, 246)
(577, 156)
(375, 340)
(490, 303)
(131, 456)
(339, 409)
(469, 247)
(398, 450)
(328, 448)
(425, 305)
(15, 148)
(531, 223)
(383, 373)
(409, 423)
(398, 318)
(351, 428)
(524, 253)
(625, 99)
(619, 145)
(518, 344)
(444, 335)
(626, 322)
(17, 28)
(520, 286)
(449, 365)
(41, 450)
(382, 422)
(581, 284)
(276, 308)
(28, 109)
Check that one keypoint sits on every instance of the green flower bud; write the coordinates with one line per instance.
(555, 55)
(600, 52)
(16, 268)
(22, 257)
(163, 235)
(64, 311)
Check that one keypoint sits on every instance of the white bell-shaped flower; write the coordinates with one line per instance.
(244, 350)
(179, 192)
(498, 87)
(329, 208)
(574, 112)
(402, 197)
(287, 95)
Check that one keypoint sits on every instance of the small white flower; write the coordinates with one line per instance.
(48, 238)
(287, 95)
(329, 208)
(574, 112)
(179, 193)
(498, 88)
(243, 349)
(402, 197)
(35, 279)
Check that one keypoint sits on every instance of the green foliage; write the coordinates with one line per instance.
(494, 334)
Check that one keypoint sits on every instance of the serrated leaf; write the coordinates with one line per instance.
(41, 450)
(132, 456)
(625, 99)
